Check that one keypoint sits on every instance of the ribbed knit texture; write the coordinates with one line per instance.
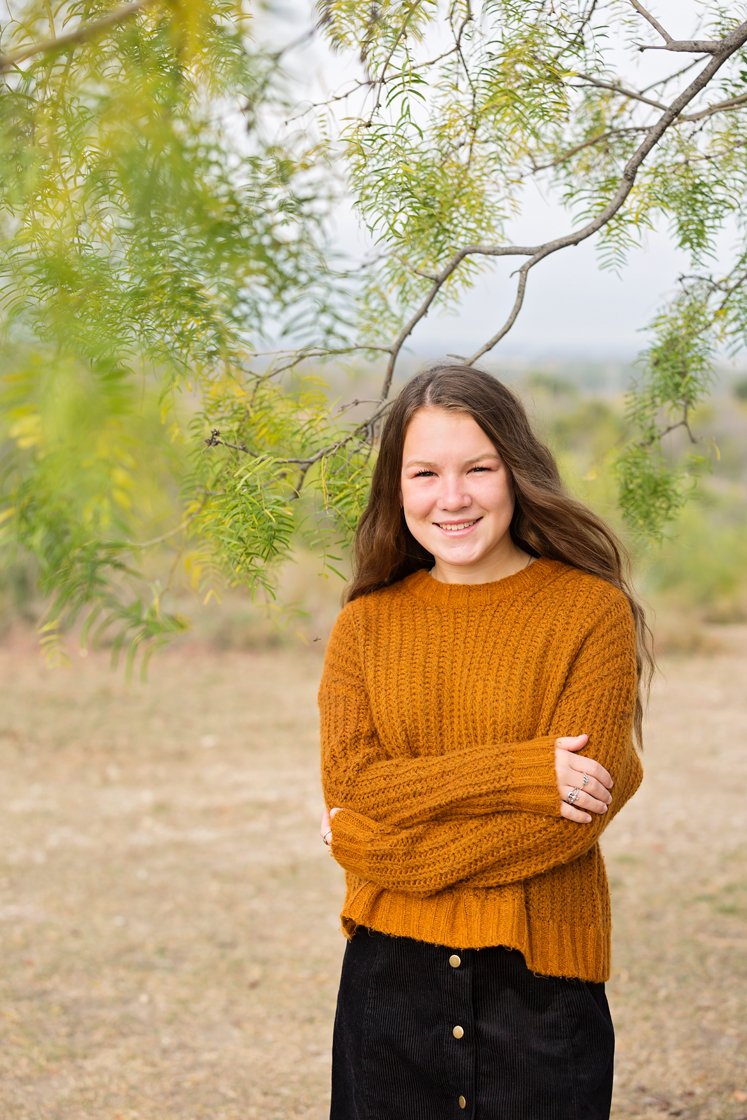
(440, 705)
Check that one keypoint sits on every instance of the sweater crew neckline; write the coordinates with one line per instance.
(423, 586)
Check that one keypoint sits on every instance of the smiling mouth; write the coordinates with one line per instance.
(456, 526)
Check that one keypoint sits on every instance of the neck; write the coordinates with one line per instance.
(507, 566)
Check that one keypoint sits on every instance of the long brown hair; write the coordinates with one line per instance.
(547, 521)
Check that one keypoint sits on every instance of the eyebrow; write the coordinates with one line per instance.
(467, 462)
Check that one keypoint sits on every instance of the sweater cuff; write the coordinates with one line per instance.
(534, 787)
(351, 839)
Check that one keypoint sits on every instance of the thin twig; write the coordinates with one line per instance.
(381, 80)
(82, 34)
(139, 545)
(659, 434)
(590, 143)
(671, 77)
(634, 95)
(369, 84)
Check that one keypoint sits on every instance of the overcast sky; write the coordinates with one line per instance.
(572, 307)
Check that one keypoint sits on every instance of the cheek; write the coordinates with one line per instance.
(414, 502)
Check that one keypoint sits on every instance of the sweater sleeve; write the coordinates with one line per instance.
(357, 775)
(501, 847)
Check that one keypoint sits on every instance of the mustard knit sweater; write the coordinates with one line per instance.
(440, 705)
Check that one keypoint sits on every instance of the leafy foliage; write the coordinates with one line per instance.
(166, 196)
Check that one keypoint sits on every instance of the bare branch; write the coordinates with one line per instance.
(671, 77)
(698, 46)
(659, 434)
(518, 302)
(652, 20)
(589, 143)
(634, 95)
(81, 34)
(690, 46)
(438, 283)
(369, 84)
(718, 107)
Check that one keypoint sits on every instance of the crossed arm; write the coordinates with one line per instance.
(492, 814)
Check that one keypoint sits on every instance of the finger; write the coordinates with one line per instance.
(584, 800)
(591, 767)
(333, 813)
(588, 775)
(571, 742)
(581, 779)
(571, 813)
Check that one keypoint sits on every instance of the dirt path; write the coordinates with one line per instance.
(168, 915)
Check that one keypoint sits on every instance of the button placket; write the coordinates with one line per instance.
(460, 1047)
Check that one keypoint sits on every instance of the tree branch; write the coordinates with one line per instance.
(718, 107)
(518, 303)
(671, 77)
(82, 34)
(652, 20)
(698, 46)
(634, 95)
(588, 143)
(728, 46)
(694, 46)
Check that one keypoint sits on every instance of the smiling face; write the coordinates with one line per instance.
(457, 497)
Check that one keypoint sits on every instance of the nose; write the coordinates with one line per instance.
(452, 496)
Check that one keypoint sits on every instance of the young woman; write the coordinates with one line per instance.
(480, 708)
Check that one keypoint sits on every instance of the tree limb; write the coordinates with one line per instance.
(690, 46)
(634, 95)
(81, 34)
(728, 46)
(671, 77)
(588, 143)
(718, 107)
(652, 20)
(518, 303)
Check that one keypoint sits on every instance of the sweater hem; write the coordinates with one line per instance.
(479, 920)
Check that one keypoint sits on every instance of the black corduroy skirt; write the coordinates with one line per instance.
(424, 1032)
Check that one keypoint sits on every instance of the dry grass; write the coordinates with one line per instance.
(169, 915)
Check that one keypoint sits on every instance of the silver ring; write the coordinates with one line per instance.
(585, 782)
(573, 795)
(326, 837)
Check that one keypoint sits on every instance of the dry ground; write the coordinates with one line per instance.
(168, 915)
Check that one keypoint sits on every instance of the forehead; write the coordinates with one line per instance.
(437, 431)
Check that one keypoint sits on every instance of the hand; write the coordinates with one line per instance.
(325, 828)
(570, 770)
